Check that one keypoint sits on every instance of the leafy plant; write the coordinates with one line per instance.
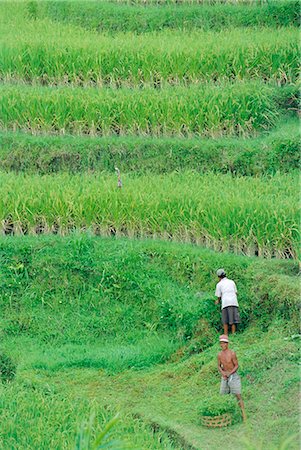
(7, 368)
(117, 16)
(218, 405)
(85, 441)
(138, 61)
(204, 110)
(260, 216)
(203, 337)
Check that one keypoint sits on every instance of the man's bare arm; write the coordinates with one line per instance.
(218, 300)
(235, 363)
(219, 366)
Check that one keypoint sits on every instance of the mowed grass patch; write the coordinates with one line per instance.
(239, 109)
(166, 398)
(278, 151)
(257, 216)
(171, 395)
(72, 57)
(136, 351)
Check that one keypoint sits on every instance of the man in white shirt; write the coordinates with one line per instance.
(226, 293)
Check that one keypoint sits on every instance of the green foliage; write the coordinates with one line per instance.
(84, 440)
(7, 368)
(268, 305)
(211, 312)
(290, 442)
(203, 336)
(32, 9)
(111, 17)
(277, 152)
(208, 110)
(218, 405)
(116, 304)
(80, 314)
(132, 60)
(259, 215)
(36, 413)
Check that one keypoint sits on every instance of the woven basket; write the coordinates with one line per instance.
(217, 421)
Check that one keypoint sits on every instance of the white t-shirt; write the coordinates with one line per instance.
(226, 289)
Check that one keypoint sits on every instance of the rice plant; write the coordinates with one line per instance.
(153, 59)
(112, 16)
(84, 440)
(248, 215)
(238, 109)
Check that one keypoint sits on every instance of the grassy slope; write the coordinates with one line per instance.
(66, 303)
(266, 154)
(113, 17)
(118, 291)
(170, 396)
(165, 397)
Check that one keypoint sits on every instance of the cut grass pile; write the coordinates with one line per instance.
(249, 215)
(118, 16)
(209, 110)
(278, 151)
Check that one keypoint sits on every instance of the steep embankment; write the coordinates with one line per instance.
(267, 154)
(83, 290)
(78, 312)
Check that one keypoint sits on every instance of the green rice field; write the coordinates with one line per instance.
(143, 145)
(262, 214)
(174, 14)
(206, 110)
(156, 58)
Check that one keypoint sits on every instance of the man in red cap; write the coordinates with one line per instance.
(227, 366)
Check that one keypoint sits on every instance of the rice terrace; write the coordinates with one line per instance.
(150, 224)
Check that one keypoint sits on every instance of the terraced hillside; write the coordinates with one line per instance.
(106, 325)
(161, 89)
(107, 284)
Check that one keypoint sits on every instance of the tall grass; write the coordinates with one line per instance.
(254, 216)
(238, 109)
(199, 2)
(98, 303)
(113, 16)
(279, 151)
(154, 59)
(36, 414)
(67, 288)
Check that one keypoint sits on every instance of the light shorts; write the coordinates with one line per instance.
(232, 385)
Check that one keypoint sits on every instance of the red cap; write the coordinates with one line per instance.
(223, 338)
